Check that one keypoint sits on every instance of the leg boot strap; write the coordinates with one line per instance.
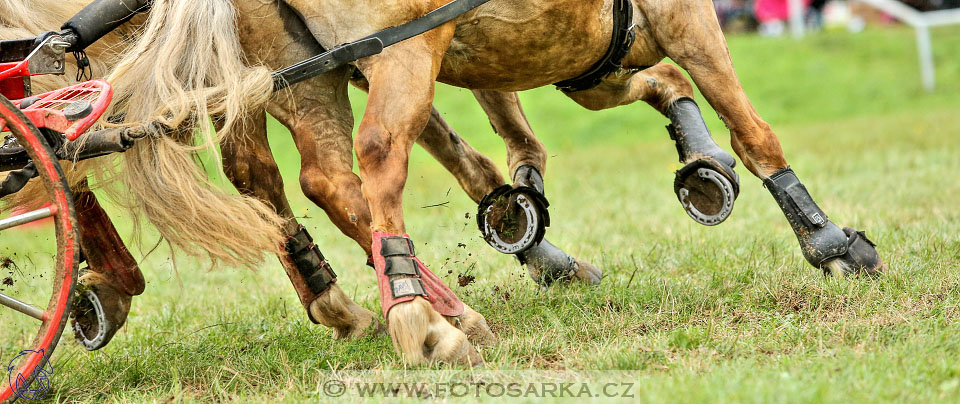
(820, 239)
(310, 274)
(689, 131)
(402, 277)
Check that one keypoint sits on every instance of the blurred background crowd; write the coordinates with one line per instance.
(769, 17)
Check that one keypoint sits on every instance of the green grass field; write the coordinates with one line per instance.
(692, 314)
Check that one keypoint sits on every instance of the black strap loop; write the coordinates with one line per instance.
(396, 246)
(310, 262)
(401, 266)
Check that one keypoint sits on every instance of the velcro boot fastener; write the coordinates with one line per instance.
(313, 275)
(402, 277)
(820, 239)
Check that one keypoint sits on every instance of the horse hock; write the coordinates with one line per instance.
(707, 185)
(824, 244)
(113, 278)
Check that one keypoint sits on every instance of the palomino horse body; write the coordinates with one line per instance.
(500, 47)
(517, 45)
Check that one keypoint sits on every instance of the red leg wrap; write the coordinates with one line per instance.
(411, 277)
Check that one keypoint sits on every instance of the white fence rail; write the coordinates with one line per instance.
(920, 21)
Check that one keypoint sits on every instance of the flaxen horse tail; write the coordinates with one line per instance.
(187, 66)
(184, 66)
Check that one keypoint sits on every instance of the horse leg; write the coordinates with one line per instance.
(690, 34)
(113, 277)
(707, 185)
(526, 157)
(414, 300)
(254, 171)
(249, 164)
(318, 114)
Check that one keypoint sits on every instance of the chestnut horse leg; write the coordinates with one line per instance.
(413, 299)
(250, 166)
(319, 116)
(114, 276)
(690, 34)
(479, 177)
(322, 130)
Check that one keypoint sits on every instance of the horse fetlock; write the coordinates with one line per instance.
(418, 306)
(308, 270)
(99, 310)
(422, 336)
(546, 264)
(402, 277)
(707, 186)
(824, 244)
(474, 325)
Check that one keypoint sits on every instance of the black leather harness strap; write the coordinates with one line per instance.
(623, 37)
(397, 246)
(372, 44)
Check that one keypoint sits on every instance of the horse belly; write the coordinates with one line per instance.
(513, 46)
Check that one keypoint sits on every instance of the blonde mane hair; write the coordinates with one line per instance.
(182, 66)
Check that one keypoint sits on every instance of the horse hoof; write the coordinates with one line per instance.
(861, 257)
(99, 311)
(424, 336)
(475, 326)
(367, 325)
(707, 189)
(589, 274)
(347, 319)
(548, 264)
(513, 219)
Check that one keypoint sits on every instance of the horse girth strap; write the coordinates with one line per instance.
(623, 37)
(372, 44)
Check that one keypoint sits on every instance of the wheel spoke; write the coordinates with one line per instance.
(22, 307)
(25, 218)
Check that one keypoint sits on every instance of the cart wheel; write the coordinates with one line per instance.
(26, 367)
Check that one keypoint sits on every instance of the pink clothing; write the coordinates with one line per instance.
(772, 10)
